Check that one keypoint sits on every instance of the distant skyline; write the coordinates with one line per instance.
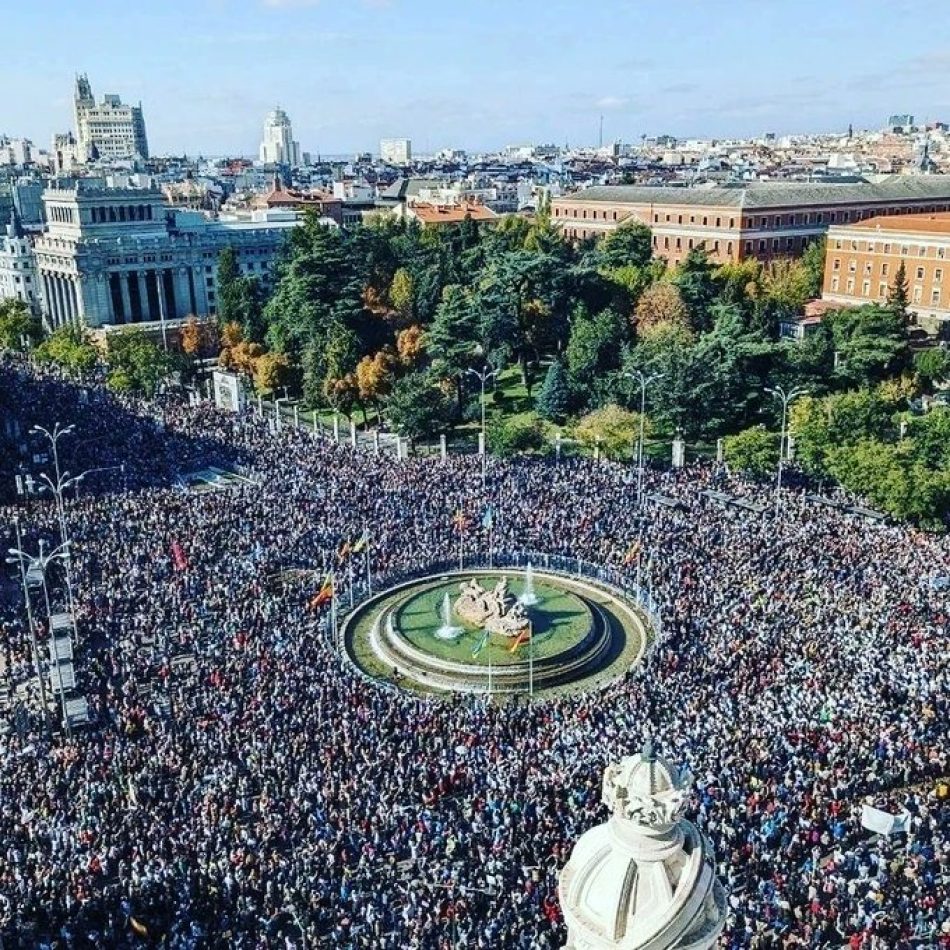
(475, 74)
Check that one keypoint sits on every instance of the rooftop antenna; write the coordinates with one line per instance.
(600, 142)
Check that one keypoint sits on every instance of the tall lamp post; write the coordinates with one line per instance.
(485, 374)
(644, 380)
(786, 397)
(28, 564)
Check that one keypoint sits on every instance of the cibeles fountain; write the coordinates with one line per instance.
(527, 630)
(646, 879)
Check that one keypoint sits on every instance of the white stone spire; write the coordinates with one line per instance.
(645, 880)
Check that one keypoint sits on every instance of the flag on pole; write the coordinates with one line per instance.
(179, 557)
(460, 521)
(522, 638)
(343, 551)
(361, 543)
(488, 519)
(324, 594)
(482, 643)
(632, 553)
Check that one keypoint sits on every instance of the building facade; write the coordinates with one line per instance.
(758, 220)
(862, 260)
(110, 130)
(18, 266)
(123, 255)
(395, 151)
(278, 146)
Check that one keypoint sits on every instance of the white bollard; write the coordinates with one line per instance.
(353, 433)
(481, 443)
(296, 416)
(336, 427)
(376, 441)
(443, 448)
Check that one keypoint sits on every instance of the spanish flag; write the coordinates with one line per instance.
(632, 553)
(344, 551)
(522, 638)
(324, 594)
(138, 927)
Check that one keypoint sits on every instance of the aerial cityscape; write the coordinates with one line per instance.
(475, 476)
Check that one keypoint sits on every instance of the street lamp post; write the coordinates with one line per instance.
(41, 563)
(638, 376)
(786, 398)
(21, 559)
(483, 376)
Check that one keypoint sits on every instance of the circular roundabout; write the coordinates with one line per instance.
(502, 632)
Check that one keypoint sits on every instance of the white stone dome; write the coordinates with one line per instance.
(646, 879)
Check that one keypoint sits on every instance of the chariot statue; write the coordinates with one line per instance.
(493, 610)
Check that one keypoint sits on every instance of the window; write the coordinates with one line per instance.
(852, 266)
(922, 250)
(729, 248)
(656, 218)
(748, 247)
(762, 246)
(705, 220)
(690, 244)
(774, 244)
(666, 242)
(732, 222)
(679, 219)
(866, 288)
(692, 219)
(935, 297)
(718, 222)
(884, 268)
(867, 268)
(904, 250)
(850, 285)
(938, 275)
(838, 245)
(882, 290)
(679, 244)
(918, 293)
(834, 284)
(887, 249)
(854, 245)
(920, 273)
(941, 251)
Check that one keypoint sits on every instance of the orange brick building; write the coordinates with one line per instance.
(756, 219)
(863, 258)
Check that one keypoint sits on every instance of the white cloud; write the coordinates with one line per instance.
(612, 102)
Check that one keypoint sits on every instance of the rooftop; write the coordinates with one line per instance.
(775, 194)
(936, 223)
(449, 214)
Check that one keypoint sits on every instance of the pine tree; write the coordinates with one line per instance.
(897, 297)
(554, 396)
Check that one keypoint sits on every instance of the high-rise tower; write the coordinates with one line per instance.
(278, 146)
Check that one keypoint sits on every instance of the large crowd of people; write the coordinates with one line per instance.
(241, 785)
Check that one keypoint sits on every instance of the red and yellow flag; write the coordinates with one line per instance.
(632, 553)
(460, 521)
(324, 595)
(523, 637)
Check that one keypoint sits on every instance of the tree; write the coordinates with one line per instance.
(753, 451)
(594, 354)
(813, 264)
(625, 245)
(402, 294)
(411, 346)
(136, 362)
(272, 372)
(375, 376)
(695, 278)
(614, 429)
(554, 398)
(870, 342)
(18, 327)
(932, 367)
(416, 407)
(70, 347)
(453, 340)
(516, 436)
(660, 305)
(238, 297)
(898, 297)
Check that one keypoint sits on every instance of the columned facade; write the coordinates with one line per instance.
(123, 256)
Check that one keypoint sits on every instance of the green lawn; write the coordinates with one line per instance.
(559, 621)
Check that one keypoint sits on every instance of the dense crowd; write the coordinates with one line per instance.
(242, 786)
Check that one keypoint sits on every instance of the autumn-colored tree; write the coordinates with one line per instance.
(192, 336)
(660, 305)
(241, 357)
(410, 345)
(402, 294)
(271, 372)
(375, 376)
(231, 334)
(343, 393)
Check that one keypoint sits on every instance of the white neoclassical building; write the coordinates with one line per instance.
(278, 146)
(646, 879)
(124, 255)
(18, 266)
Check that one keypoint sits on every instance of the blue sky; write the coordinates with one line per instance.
(475, 73)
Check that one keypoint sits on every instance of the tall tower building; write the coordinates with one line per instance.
(645, 880)
(278, 146)
(109, 130)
